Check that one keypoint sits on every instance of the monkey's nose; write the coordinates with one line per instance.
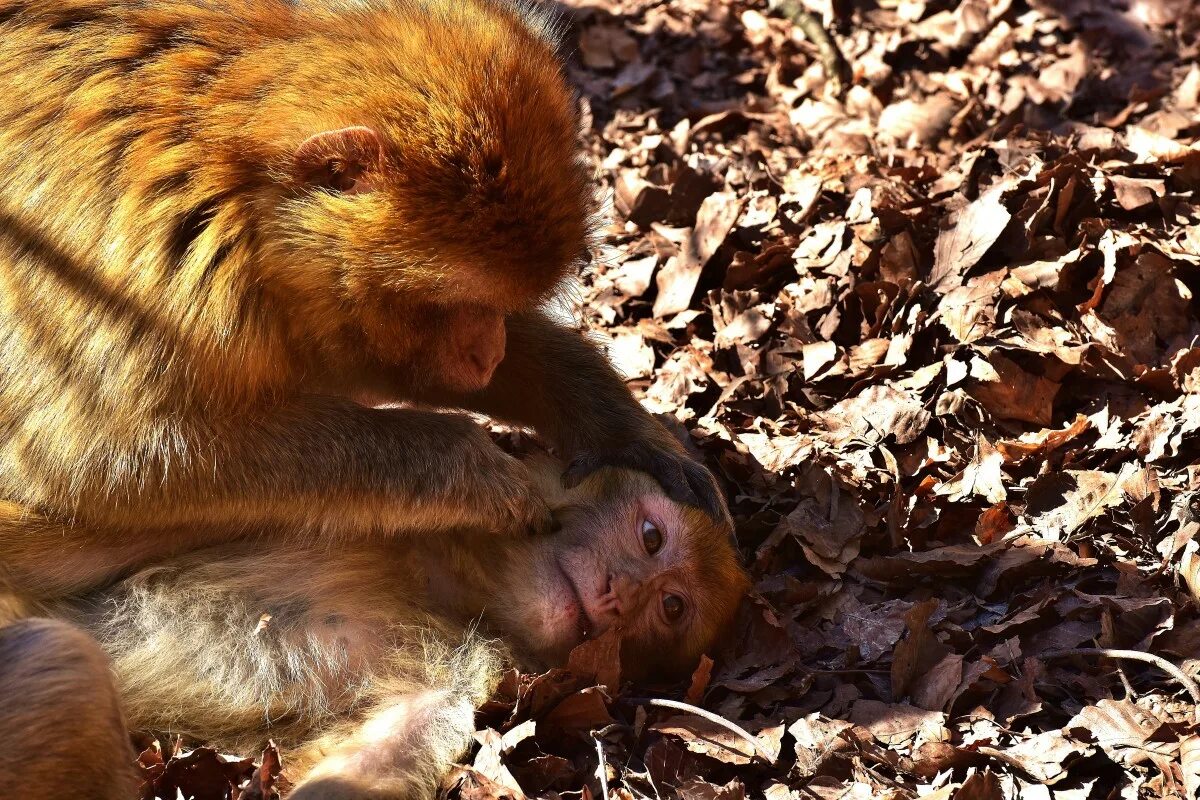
(610, 602)
(620, 594)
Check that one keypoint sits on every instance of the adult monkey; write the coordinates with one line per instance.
(223, 224)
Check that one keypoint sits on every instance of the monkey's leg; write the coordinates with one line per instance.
(557, 382)
(61, 730)
(401, 751)
(420, 721)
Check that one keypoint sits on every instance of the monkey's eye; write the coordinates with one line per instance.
(652, 538)
(673, 606)
(346, 177)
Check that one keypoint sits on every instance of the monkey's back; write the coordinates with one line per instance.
(122, 232)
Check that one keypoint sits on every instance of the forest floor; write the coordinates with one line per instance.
(940, 338)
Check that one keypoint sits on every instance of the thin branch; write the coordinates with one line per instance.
(601, 767)
(1134, 655)
(715, 719)
(884, 779)
(837, 69)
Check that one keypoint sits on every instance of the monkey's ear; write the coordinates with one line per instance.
(342, 160)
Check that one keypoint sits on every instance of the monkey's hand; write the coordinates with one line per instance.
(504, 495)
(684, 479)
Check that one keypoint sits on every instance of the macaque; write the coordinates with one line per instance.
(229, 231)
(365, 664)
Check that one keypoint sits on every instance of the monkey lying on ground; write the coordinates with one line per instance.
(227, 229)
(367, 668)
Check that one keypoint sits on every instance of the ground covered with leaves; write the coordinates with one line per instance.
(940, 337)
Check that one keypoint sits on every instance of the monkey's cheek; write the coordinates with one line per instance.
(566, 624)
(557, 629)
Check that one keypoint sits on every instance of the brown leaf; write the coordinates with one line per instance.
(917, 654)
(817, 740)
(1121, 729)
(706, 738)
(1135, 193)
(1059, 504)
(700, 679)
(1047, 756)
(703, 790)
(941, 561)
(678, 279)
(969, 312)
(1189, 764)
(604, 46)
(489, 762)
(878, 412)
(980, 786)
(584, 710)
(202, 774)
(466, 783)
(876, 629)
(598, 659)
(960, 246)
(830, 544)
(897, 724)
(994, 523)
(1038, 444)
(1009, 392)
(934, 688)
(703, 737)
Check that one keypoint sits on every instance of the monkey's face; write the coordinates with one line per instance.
(664, 575)
(450, 186)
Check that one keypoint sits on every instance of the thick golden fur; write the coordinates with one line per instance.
(188, 316)
(368, 669)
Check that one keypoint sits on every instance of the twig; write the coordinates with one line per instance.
(1004, 758)
(601, 767)
(715, 719)
(804, 788)
(837, 70)
(892, 783)
(1134, 655)
(1130, 694)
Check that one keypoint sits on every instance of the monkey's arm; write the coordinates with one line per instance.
(313, 464)
(330, 464)
(555, 381)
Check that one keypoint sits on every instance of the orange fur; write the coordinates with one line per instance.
(223, 226)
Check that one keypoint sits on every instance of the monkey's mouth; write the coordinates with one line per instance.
(583, 622)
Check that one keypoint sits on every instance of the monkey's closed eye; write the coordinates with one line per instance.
(652, 538)
(673, 607)
(342, 176)
(345, 178)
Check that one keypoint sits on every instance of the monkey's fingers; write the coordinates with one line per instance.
(541, 520)
(670, 470)
(684, 480)
(704, 485)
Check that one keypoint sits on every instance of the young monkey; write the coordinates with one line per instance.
(227, 229)
(367, 670)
